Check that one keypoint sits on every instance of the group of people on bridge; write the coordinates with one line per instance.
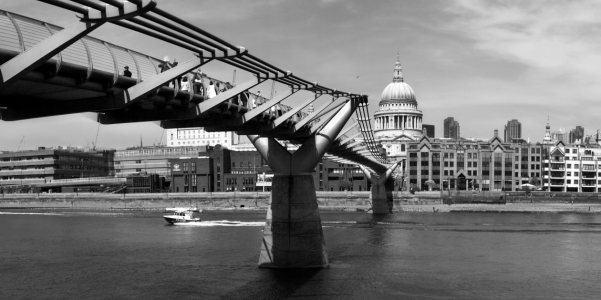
(195, 82)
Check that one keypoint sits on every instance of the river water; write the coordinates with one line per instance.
(67, 254)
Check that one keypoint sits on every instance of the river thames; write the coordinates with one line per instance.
(65, 254)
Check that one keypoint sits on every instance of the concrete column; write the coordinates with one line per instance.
(293, 236)
(382, 186)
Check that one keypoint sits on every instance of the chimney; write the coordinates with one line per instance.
(424, 131)
(496, 133)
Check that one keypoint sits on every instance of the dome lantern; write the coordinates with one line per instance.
(398, 70)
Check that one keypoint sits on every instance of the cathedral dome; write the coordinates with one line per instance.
(398, 91)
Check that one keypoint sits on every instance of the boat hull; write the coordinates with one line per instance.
(172, 220)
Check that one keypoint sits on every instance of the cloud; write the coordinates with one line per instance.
(555, 40)
(526, 59)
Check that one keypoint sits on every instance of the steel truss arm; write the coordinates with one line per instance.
(266, 106)
(316, 113)
(293, 111)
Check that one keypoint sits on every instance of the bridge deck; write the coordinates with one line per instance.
(88, 70)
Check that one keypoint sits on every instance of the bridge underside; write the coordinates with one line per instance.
(38, 94)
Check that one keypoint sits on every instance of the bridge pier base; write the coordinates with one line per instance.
(381, 197)
(293, 236)
(382, 186)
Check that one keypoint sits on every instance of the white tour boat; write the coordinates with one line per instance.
(175, 215)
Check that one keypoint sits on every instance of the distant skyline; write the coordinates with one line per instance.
(481, 62)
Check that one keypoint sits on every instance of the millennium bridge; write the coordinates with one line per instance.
(48, 71)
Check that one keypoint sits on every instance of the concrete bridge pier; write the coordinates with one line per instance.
(382, 186)
(293, 235)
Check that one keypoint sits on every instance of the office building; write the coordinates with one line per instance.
(576, 135)
(36, 167)
(471, 164)
(451, 128)
(513, 130)
(197, 136)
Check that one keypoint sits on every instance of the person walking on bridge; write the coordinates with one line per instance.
(211, 90)
(126, 72)
(197, 82)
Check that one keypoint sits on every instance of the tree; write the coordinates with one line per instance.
(534, 181)
(430, 183)
(346, 185)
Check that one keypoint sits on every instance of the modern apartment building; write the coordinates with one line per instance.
(572, 168)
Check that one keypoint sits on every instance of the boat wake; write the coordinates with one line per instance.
(223, 223)
(31, 213)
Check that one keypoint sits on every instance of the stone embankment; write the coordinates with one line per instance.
(247, 200)
(501, 202)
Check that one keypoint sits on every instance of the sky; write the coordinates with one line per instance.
(481, 62)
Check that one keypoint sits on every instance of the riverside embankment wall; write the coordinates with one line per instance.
(456, 197)
(206, 200)
(326, 200)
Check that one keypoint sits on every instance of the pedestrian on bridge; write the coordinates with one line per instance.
(197, 82)
(211, 90)
(185, 83)
(126, 72)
